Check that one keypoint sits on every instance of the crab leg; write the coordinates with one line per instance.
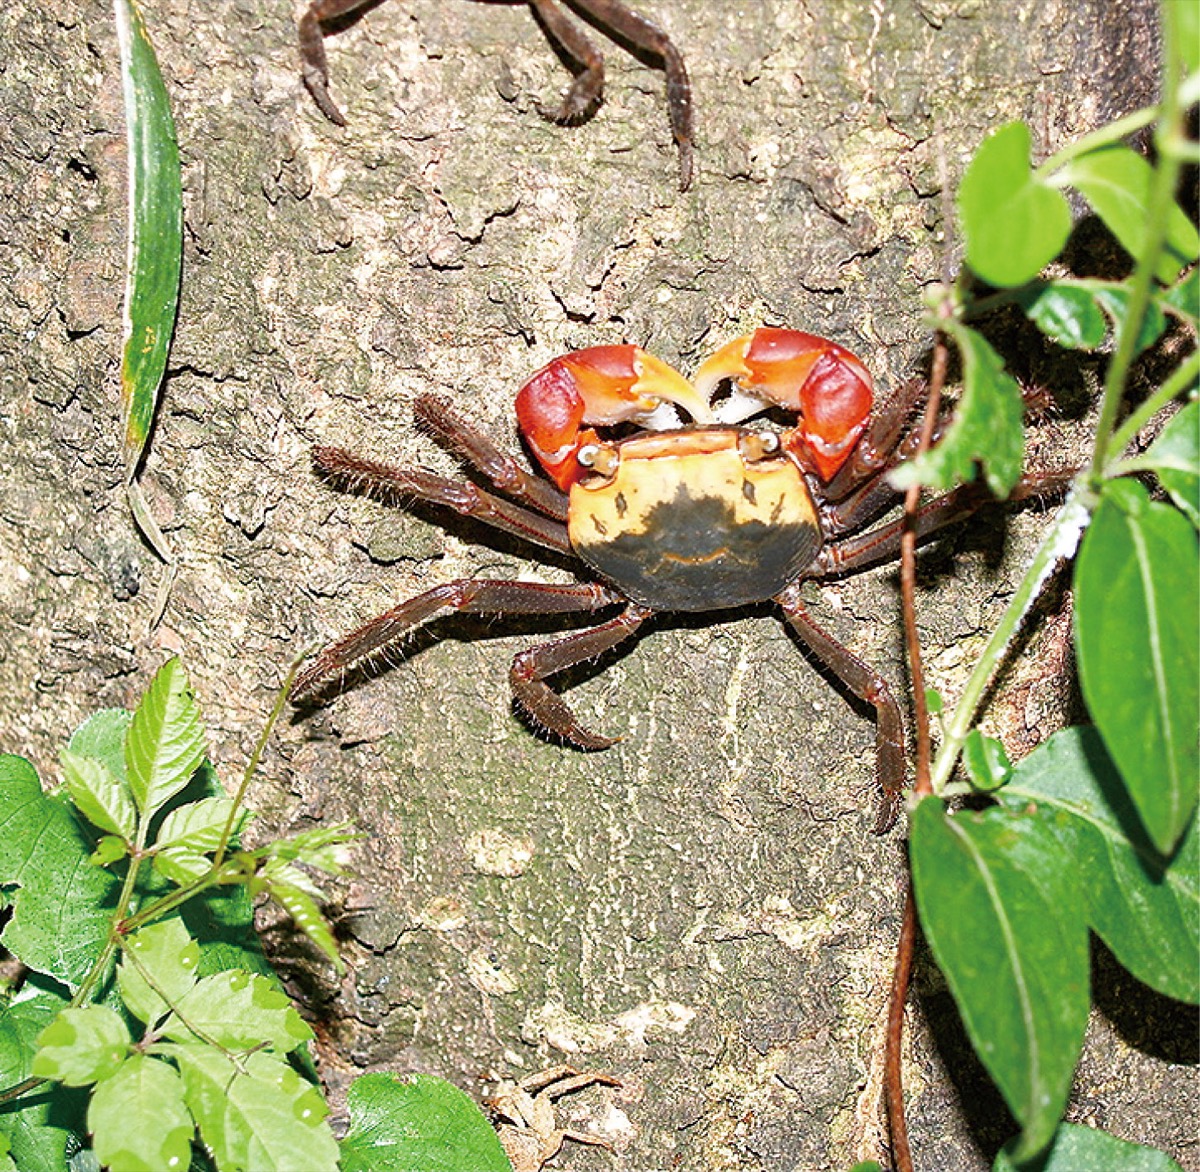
(530, 669)
(466, 596)
(437, 417)
(585, 92)
(402, 484)
(870, 687)
(312, 50)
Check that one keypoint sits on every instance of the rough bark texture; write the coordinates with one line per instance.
(701, 909)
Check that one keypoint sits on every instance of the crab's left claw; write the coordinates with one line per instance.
(601, 387)
(823, 382)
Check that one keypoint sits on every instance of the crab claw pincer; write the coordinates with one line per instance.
(602, 386)
(821, 381)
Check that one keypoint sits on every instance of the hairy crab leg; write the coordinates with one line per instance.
(615, 18)
(401, 485)
(870, 687)
(530, 669)
(463, 596)
(436, 416)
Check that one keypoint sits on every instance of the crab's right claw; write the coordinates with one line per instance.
(601, 387)
(826, 385)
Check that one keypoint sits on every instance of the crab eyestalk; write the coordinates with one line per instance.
(603, 386)
(821, 381)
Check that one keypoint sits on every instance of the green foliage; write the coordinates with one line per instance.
(1014, 225)
(1075, 1148)
(1137, 631)
(1096, 830)
(1000, 905)
(193, 1041)
(418, 1122)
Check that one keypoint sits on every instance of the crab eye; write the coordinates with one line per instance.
(758, 445)
(599, 458)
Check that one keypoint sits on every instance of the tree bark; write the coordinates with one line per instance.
(700, 910)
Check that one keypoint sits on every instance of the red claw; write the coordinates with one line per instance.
(601, 386)
(826, 385)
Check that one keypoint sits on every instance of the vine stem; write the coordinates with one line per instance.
(893, 1079)
(1163, 180)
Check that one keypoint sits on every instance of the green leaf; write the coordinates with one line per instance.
(1066, 313)
(39, 1128)
(420, 1122)
(1014, 225)
(165, 743)
(61, 914)
(160, 960)
(82, 1046)
(1116, 182)
(100, 795)
(1137, 634)
(1175, 457)
(986, 761)
(1075, 1148)
(222, 920)
(198, 825)
(1115, 301)
(155, 230)
(102, 737)
(108, 850)
(306, 915)
(1001, 907)
(258, 1114)
(138, 1119)
(1145, 910)
(986, 429)
(237, 1010)
(1184, 297)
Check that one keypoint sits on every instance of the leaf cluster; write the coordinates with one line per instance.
(1095, 831)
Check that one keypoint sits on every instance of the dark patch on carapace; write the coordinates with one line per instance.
(694, 555)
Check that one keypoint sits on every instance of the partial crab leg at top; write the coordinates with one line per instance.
(587, 89)
(867, 685)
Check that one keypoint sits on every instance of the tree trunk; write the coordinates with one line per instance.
(700, 910)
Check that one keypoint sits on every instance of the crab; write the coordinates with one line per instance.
(586, 92)
(526, 1123)
(724, 511)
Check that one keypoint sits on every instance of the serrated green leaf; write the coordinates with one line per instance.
(99, 795)
(1001, 907)
(420, 1122)
(1175, 457)
(138, 1119)
(61, 914)
(222, 920)
(1066, 313)
(986, 761)
(81, 1046)
(39, 1128)
(306, 915)
(198, 825)
(1145, 910)
(161, 960)
(1076, 1149)
(1114, 299)
(155, 230)
(237, 1010)
(102, 737)
(165, 742)
(1137, 634)
(1116, 182)
(259, 1114)
(1013, 224)
(986, 429)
